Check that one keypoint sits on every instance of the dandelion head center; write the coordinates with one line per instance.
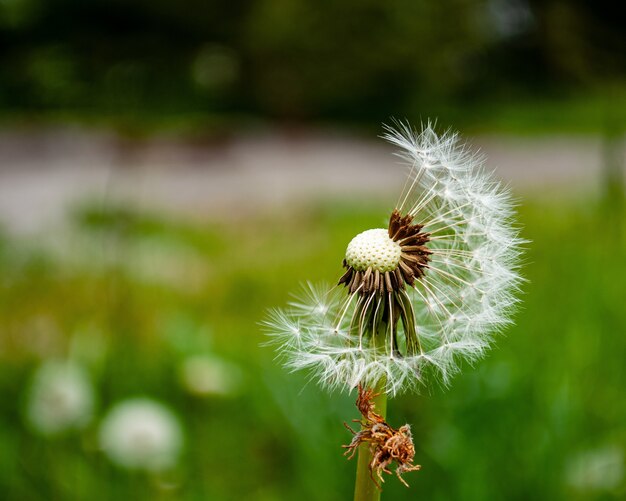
(373, 249)
(382, 260)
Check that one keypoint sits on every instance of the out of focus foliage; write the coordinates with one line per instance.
(296, 59)
(131, 297)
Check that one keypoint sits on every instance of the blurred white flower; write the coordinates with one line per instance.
(423, 293)
(61, 398)
(141, 433)
(207, 375)
(597, 469)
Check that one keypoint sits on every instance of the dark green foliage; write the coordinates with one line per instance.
(353, 60)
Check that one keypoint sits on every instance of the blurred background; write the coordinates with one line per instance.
(169, 170)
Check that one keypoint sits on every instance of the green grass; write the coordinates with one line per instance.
(132, 295)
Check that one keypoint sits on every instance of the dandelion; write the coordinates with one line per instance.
(141, 434)
(60, 399)
(419, 295)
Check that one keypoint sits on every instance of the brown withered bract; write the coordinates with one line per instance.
(386, 443)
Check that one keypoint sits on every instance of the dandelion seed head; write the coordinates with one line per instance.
(204, 375)
(61, 398)
(141, 434)
(423, 294)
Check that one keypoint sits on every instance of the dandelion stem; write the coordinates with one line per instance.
(365, 489)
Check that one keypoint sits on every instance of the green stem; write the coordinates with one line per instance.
(364, 488)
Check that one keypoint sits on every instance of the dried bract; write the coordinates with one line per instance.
(386, 443)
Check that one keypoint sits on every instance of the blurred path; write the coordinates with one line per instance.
(44, 173)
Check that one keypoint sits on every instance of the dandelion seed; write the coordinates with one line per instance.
(421, 294)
